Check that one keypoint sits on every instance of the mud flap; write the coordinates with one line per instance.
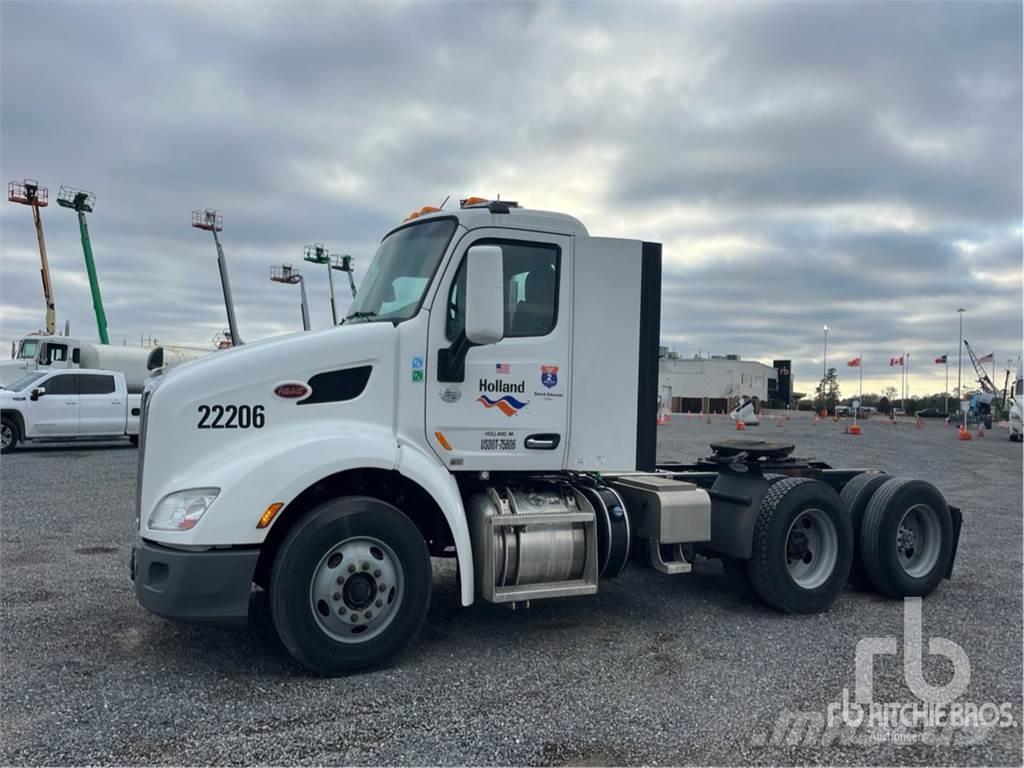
(958, 519)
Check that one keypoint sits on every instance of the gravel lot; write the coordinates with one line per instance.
(653, 670)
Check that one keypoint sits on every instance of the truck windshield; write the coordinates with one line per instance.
(28, 349)
(401, 271)
(25, 381)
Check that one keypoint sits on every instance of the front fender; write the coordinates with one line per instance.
(279, 471)
(424, 470)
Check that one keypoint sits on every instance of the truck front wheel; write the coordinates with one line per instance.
(350, 585)
(802, 546)
(9, 435)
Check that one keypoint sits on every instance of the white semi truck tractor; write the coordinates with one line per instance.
(491, 397)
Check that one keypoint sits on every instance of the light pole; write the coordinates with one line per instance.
(286, 273)
(960, 355)
(824, 357)
(212, 221)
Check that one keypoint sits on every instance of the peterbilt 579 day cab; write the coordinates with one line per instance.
(64, 405)
(491, 397)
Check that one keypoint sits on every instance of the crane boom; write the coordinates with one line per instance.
(44, 270)
(983, 379)
(30, 193)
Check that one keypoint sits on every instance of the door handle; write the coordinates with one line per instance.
(543, 442)
(70, 402)
(115, 402)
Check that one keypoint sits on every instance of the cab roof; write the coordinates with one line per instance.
(476, 213)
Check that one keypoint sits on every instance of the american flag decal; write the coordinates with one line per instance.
(501, 368)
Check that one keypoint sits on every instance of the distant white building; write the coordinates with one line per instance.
(715, 382)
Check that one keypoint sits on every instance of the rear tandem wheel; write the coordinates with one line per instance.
(802, 546)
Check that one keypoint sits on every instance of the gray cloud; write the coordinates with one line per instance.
(856, 164)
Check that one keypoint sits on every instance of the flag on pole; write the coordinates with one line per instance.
(940, 360)
(987, 358)
(855, 363)
(896, 361)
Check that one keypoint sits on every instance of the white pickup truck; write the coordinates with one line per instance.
(79, 404)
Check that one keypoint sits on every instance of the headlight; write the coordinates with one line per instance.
(182, 510)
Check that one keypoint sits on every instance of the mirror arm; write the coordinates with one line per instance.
(451, 361)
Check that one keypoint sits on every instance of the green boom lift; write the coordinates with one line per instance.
(82, 202)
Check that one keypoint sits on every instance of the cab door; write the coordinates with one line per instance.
(507, 409)
(55, 413)
(101, 408)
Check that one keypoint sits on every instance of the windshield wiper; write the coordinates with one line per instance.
(361, 315)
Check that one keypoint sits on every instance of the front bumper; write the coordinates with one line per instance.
(210, 587)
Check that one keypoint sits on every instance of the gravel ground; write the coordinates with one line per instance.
(652, 670)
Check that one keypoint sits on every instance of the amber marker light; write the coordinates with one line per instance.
(268, 517)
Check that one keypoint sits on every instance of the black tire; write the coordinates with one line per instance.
(302, 556)
(856, 495)
(11, 434)
(794, 502)
(880, 529)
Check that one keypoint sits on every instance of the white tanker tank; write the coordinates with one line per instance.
(37, 352)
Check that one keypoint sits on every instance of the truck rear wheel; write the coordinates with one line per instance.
(906, 538)
(802, 546)
(9, 435)
(350, 585)
(856, 495)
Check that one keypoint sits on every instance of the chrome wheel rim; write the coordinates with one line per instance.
(6, 436)
(811, 549)
(356, 589)
(918, 540)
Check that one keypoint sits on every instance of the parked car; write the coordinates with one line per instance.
(75, 404)
(931, 413)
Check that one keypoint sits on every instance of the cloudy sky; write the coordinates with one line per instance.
(856, 165)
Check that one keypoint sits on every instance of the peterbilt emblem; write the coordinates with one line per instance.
(291, 390)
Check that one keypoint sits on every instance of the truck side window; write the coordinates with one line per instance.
(95, 384)
(56, 353)
(60, 385)
(531, 290)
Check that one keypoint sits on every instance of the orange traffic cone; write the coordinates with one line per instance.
(740, 425)
(853, 429)
(661, 420)
(964, 434)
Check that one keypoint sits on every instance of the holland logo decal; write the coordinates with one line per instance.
(549, 375)
(507, 404)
